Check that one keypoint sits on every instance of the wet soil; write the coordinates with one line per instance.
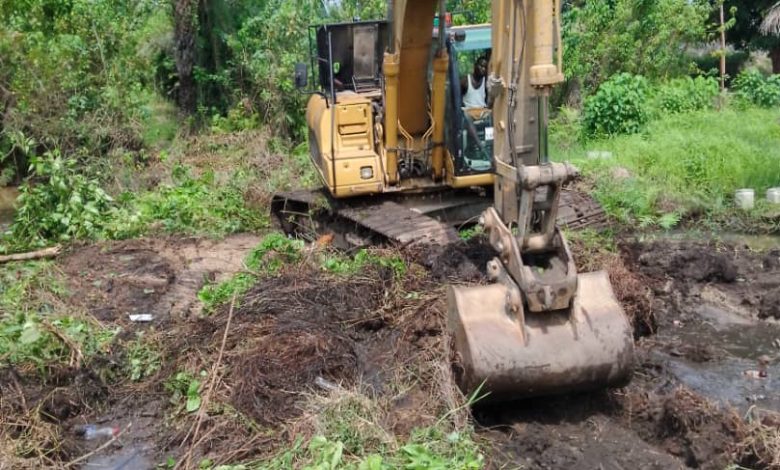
(714, 305)
(702, 315)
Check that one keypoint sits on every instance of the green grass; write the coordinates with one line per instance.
(34, 327)
(161, 123)
(338, 263)
(682, 165)
(189, 205)
(426, 449)
(350, 435)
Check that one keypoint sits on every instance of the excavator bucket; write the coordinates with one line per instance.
(588, 346)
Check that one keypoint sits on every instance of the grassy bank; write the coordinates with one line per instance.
(683, 166)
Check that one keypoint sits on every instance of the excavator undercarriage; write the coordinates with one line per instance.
(406, 219)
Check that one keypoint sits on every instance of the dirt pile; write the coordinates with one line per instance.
(293, 329)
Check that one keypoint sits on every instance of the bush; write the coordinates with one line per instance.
(618, 107)
(80, 71)
(193, 205)
(754, 88)
(59, 204)
(687, 94)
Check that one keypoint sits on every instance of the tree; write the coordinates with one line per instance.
(747, 33)
(185, 32)
(771, 23)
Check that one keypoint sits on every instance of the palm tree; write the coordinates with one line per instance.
(771, 23)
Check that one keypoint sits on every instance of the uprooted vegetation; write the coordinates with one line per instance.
(304, 352)
(312, 364)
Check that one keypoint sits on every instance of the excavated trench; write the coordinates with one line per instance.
(704, 316)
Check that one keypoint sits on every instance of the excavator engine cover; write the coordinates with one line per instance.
(586, 347)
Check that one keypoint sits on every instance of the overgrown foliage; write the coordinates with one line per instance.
(647, 37)
(194, 205)
(59, 204)
(754, 88)
(79, 75)
(686, 94)
(618, 107)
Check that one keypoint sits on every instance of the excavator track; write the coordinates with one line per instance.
(577, 210)
(429, 219)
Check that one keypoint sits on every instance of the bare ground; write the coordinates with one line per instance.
(702, 316)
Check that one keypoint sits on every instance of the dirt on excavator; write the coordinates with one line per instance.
(702, 316)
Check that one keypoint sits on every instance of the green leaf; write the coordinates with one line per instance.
(193, 403)
(30, 334)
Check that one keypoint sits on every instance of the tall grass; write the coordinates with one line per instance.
(681, 165)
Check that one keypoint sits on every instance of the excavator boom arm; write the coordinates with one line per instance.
(541, 328)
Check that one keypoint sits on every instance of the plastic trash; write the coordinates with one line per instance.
(325, 384)
(89, 432)
(142, 317)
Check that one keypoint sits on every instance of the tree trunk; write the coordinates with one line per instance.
(185, 32)
(774, 54)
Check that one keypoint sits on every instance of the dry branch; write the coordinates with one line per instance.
(31, 255)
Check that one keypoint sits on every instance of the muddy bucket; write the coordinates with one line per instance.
(587, 347)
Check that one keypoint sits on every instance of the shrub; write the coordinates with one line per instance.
(754, 88)
(59, 204)
(687, 94)
(194, 205)
(618, 107)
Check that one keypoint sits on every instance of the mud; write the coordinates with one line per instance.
(713, 330)
(700, 314)
(160, 277)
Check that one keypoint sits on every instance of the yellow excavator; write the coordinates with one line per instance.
(401, 158)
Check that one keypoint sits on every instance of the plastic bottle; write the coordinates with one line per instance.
(91, 431)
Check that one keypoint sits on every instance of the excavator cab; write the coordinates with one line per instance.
(470, 139)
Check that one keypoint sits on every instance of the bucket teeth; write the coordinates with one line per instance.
(586, 347)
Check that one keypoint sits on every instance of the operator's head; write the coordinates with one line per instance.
(480, 67)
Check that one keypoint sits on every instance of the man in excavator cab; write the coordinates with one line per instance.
(477, 123)
(473, 86)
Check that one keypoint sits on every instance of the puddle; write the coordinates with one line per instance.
(8, 197)
(738, 343)
(128, 458)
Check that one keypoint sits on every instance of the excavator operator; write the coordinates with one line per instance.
(473, 86)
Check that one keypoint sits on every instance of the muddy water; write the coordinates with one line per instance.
(128, 458)
(736, 344)
(7, 199)
(709, 301)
